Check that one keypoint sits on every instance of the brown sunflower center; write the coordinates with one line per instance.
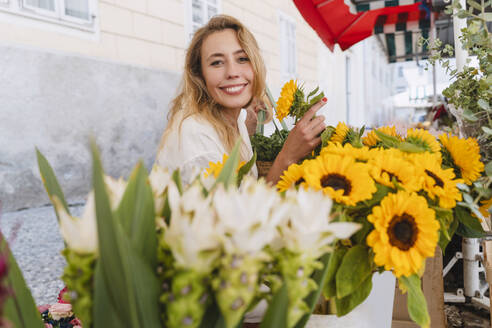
(437, 180)
(298, 182)
(403, 231)
(391, 176)
(337, 182)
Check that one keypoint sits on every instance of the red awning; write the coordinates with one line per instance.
(334, 22)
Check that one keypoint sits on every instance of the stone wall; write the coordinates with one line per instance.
(56, 101)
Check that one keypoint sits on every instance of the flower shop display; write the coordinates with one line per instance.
(409, 192)
(151, 252)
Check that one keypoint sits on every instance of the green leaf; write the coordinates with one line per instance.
(484, 104)
(114, 261)
(410, 147)
(469, 115)
(19, 308)
(276, 314)
(466, 232)
(243, 170)
(387, 140)
(355, 268)
(136, 214)
(468, 220)
(444, 241)
(212, 317)
(488, 169)
(348, 303)
(330, 287)
(319, 276)
(417, 305)
(228, 174)
(177, 180)
(312, 93)
(103, 312)
(49, 180)
(487, 130)
(474, 5)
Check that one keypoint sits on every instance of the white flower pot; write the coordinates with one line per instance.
(375, 312)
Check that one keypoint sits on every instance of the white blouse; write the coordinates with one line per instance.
(196, 144)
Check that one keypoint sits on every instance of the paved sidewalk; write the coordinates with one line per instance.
(36, 243)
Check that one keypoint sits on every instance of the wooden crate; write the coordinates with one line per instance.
(432, 283)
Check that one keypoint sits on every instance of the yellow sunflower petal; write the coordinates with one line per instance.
(411, 232)
(423, 138)
(286, 99)
(340, 133)
(465, 154)
(292, 177)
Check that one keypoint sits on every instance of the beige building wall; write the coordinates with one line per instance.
(151, 33)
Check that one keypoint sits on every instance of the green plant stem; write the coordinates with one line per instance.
(272, 102)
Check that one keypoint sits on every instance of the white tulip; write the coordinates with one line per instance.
(308, 229)
(248, 217)
(159, 179)
(80, 234)
(115, 189)
(192, 234)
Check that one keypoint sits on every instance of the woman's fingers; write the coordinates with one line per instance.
(312, 111)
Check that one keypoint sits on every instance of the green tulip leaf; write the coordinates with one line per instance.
(354, 270)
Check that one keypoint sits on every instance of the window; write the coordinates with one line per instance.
(400, 71)
(199, 12)
(74, 13)
(287, 45)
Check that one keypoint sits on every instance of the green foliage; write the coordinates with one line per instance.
(49, 180)
(131, 282)
(243, 170)
(276, 314)
(417, 305)
(268, 148)
(353, 271)
(19, 308)
(471, 90)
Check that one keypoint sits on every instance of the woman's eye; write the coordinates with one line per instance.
(216, 63)
(243, 59)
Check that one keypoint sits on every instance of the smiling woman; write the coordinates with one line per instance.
(224, 72)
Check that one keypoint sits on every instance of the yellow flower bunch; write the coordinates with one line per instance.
(393, 183)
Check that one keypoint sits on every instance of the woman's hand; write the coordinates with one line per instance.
(252, 115)
(301, 141)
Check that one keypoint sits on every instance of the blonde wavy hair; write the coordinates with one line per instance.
(193, 97)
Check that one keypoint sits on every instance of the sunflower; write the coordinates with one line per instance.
(465, 154)
(360, 154)
(437, 182)
(340, 177)
(340, 133)
(405, 233)
(390, 165)
(286, 99)
(371, 139)
(485, 206)
(215, 168)
(424, 139)
(292, 177)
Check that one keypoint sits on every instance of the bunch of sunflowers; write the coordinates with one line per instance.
(409, 192)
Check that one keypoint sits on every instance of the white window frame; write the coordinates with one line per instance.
(288, 46)
(21, 9)
(189, 15)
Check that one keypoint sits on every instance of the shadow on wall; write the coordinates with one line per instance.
(55, 101)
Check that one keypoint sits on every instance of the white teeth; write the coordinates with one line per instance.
(233, 89)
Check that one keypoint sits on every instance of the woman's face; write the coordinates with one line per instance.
(226, 69)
